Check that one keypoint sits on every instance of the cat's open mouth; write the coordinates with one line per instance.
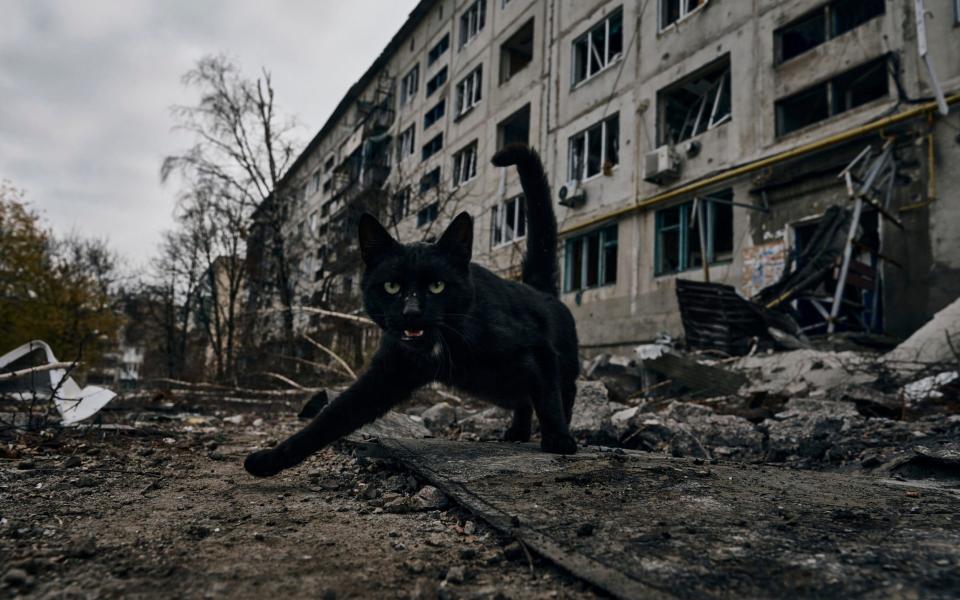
(411, 334)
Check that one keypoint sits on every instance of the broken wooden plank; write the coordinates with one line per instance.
(639, 525)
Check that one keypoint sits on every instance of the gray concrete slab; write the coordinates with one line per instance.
(644, 526)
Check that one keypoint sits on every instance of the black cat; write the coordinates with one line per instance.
(448, 320)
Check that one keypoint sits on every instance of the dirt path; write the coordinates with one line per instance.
(162, 517)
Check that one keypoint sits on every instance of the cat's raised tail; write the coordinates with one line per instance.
(540, 267)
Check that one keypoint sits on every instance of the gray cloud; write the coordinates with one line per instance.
(86, 88)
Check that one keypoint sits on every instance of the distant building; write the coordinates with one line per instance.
(713, 120)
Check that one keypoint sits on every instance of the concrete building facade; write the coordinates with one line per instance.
(673, 130)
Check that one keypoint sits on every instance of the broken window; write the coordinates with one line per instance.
(850, 14)
(408, 85)
(598, 48)
(428, 214)
(591, 259)
(508, 221)
(465, 164)
(328, 165)
(468, 91)
(678, 233)
(438, 49)
(430, 180)
(803, 34)
(327, 185)
(696, 104)
(432, 147)
(822, 24)
(843, 92)
(436, 81)
(471, 21)
(515, 129)
(594, 150)
(517, 52)
(407, 142)
(672, 11)
(315, 187)
(434, 114)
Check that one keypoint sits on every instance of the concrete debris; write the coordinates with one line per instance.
(808, 428)
(486, 424)
(392, 425)
(936, 343)
(802, 372)
(74, 403)
(936, 394)
(689, 373)
(623, 377)
(685, 429)
(430, 498)
(439, 416)
(592, 412)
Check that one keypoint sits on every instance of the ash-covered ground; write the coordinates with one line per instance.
(152, 501)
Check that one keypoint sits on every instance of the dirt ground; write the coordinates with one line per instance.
(167, 511)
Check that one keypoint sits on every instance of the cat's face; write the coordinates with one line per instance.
(417, 292)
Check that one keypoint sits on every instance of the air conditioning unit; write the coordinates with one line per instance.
(572, 195)
(661, 166)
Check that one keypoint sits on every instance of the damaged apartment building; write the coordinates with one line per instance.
(685, 141)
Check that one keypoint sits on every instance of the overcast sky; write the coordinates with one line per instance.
(85, 87)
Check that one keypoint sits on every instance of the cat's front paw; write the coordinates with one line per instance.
(263, 463)
(562, 443)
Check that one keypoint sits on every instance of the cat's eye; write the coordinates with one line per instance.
(436, 287)
(392, 287)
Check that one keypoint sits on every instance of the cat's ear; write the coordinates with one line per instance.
(375, 241)
(457, 240)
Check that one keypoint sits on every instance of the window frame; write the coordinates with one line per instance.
(423, 187)
(712, 97)
(409, 85)
(469, 167)
(683, 226)
(584, 134)
(436, 113)
(472, 21)
(436, 82)
(504, 51)
(473, 80)
(428, 214)
(401, 201)
(609, 60)
(431, 147)
(407, 145)
(604, 241)
(436, 52)
(498, 217)
(829, 85)
(827, 12)
(684, 13)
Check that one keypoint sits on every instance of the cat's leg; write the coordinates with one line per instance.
(519, 430)
(545, 391)
(568, 393)
(383, 386)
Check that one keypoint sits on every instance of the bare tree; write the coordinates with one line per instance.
(230, 176)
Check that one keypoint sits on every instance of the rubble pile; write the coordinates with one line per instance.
(806, 408)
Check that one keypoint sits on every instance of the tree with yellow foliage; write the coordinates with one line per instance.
(56, 290)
